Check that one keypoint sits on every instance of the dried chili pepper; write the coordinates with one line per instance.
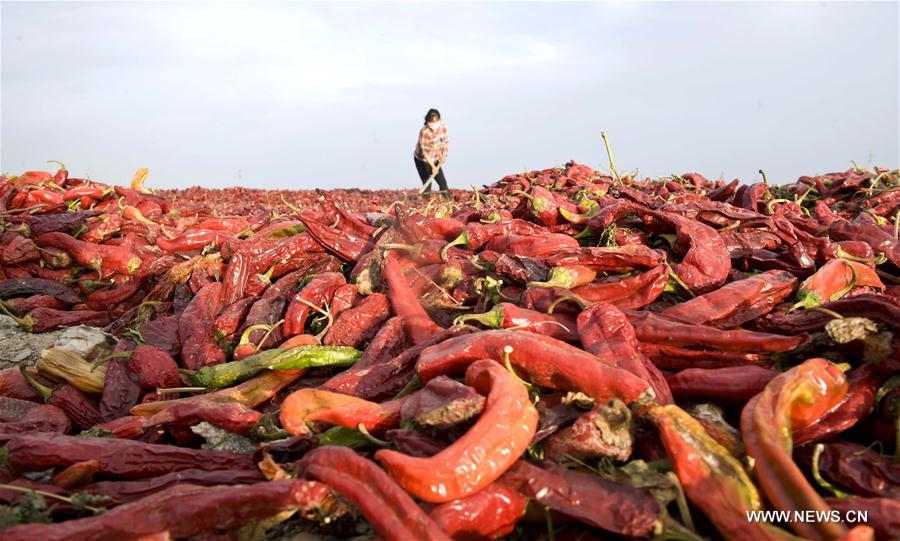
(356, 326)
(880, 513)
(318, 292)
(307, 405)
(655, 328)
(792, 400)
(196, 329)
(181, 511)
(83, 411)
(500, 435)
(736, 384)
(531, 245)
(418, 325)
(392, 512)
(442, 403)
(542, 360)
(231, 416)
(834, 280)
(509, 316)
(737, 302)
(488, 514)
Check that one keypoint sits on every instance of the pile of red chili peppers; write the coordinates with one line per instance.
(563, 354)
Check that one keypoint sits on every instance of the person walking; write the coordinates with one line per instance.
(431, 152)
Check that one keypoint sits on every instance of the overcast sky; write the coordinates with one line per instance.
(332, 95)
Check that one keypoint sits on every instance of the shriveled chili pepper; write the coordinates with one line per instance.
(735, 303)
(544, 361)
(17, 287)
(509, 316)
(83, 411)
(41, 418)
(858, 469)
(567, 276)
(711, 477)
(678, 358)
(418, 325)
(342, 244)
(792, 400)
(196, 329)
(181, 511)
(605, 431)
(488, 514)
(628, 293)
(476, 234)
(23, 305)
(19, 250)
(231, 317)
(47, 319)
(117, 458)
(119, 492)
(880, 240)
(618, 259)
(318, 292)
(344, 299)
(355, 326)
(121, 390)
(616, 508)
(881, 514)
(442, 403)
(231, 416)
(193, 239)
(606, 332)
(705, 263)
(252, 392)
(655, 328)
(500, 435)
(101, 300)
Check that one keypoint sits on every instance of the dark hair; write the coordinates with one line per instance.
(432, 114)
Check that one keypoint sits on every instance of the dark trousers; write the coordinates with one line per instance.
(424, 170)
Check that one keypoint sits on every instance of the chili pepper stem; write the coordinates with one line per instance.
(27, 323)
(413, 385)
(268, 333)
(288, 205)
(43, 390)
(551, 532)
(681, 501)
(51, 495)
(461, 240)
(581, 302)
(170, 390)
(763, 175)
(365, 432)
(612, 163)
(826, 311)
(492, 318)
(680, 282)
(817, 474)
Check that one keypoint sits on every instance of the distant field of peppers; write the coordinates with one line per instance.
(564, 354)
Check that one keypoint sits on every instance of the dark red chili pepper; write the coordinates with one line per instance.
(737, 302)
(16, 287)
(544, 361)
(859, 469)
(605, 431)
(491, 513)
(706, 263)
(383, 377)
(356, 326)
(118, 458)
(193, 239)
(442, 403)
(677, 358)
(390, 510)
(231, 317)
(619, 259)
(196, 329)
(318, 292)
(417, 323)
(477, 234)
(881, 514)
(129, 427)
(48, 319)
(23, 305)
(121, 390)
(235, 280)
(736, 384)
(181, 511)
(83, 411)
(629, 293)
(268, 310)
(616, 508)
(344, 298)
(880, 240)
(103, 258)
(655, 328)
(120, 492)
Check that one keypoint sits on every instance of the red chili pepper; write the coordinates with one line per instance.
(616, 508)
(735, 303)
(48, 319)
(105, 259)
(354, 327)
(543, 361)
(308, 405)
(119, 492)
(121, 390)
(653, 328)
(509, 316)
(863, 385)
(193, 239)
(23, 305)
(880, 240)
(103, 299)
(790, 401)
(181, 511)
(605, 331)
(197, 329)
(419, 326)
(619, 259)
(231, 317)
(231, 416)
(500, 435)
(736, 384)
(318, 292)
(83, 411)
(42, 418)
(19, 250)
(677, 358)
(629, 293)
(881, 514)
(342, 244)
(834, 280)
(235, 279)
(491, 513)
(390, 510)
(531, 245)
(605, 431)
(477, 234)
